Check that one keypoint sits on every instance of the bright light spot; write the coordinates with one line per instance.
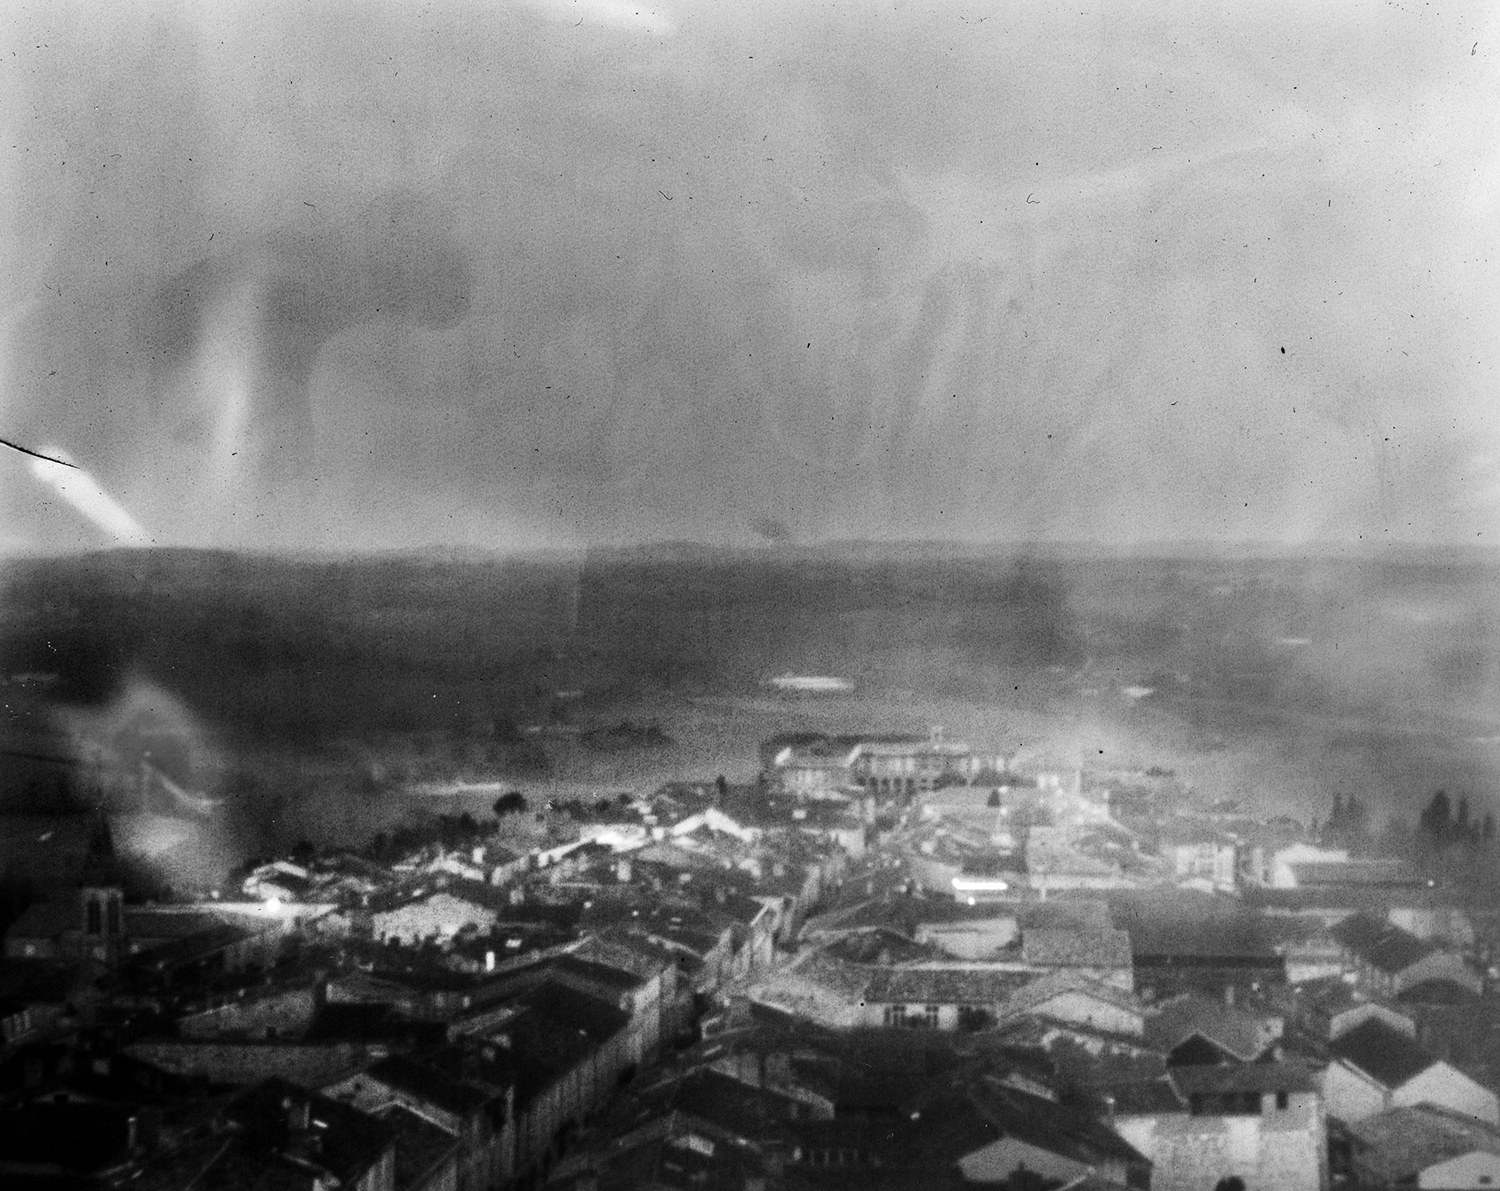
(82, 491)
(273, 905)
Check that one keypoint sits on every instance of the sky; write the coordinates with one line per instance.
(569, 272)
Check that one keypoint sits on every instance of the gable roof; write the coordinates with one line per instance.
(1241, 1033)
(1141, 1097)
(1037, 993)
(1438, 991)
(45, 921)
(1397, 1144)
(1053, 1127)
(1382, 1052)
(1381, 944)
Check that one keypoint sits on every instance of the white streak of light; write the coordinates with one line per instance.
(82, 491)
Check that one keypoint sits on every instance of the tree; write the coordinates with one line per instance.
(1436, 824)
(511, 803)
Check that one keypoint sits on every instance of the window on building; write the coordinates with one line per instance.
(895, 1015)
(114, 917)
(930, 1015)
(1281, 1100)
(95, 925)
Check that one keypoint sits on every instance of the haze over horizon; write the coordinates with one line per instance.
(572, 273)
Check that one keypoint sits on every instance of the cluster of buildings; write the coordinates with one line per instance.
(890, 962)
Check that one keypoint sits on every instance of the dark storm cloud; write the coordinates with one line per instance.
(676, 272)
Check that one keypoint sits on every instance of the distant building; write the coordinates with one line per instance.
(1375, 1067)
(1423, 1146)
(1194, 1029)
(937, 998)
(1387, 960)
(437, 916)
(1103, 954)
(1199, 852)
(1328, 1009)
(815, 765)
(289, 1138)
(89, 924)
(1077, 1001)
(1262, 1123)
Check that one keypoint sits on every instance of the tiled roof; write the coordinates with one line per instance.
(605, 974)
(1052, 1127)
(1396, 1145)
(1141, 1097)
(1188, 924)
(942, 986)
(1039, 992)
(1382, 1052)
(428, 1084)
(1075, 913)
(1330, 995)
(1438, 992)
(832, 974)
(905, 914)
(1243, 1034)
(1060, 947)
(1380, 944)
(1288, 1075)
(881, 946)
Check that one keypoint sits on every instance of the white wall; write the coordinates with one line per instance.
(1451, 1088)
(1350, 1095)
(1281, 1151)
(1469, 1172)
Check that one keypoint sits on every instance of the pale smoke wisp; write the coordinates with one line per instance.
(82, 491)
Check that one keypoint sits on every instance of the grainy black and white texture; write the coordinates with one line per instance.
(499, 275)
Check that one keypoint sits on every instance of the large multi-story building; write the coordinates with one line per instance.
(814, 765)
